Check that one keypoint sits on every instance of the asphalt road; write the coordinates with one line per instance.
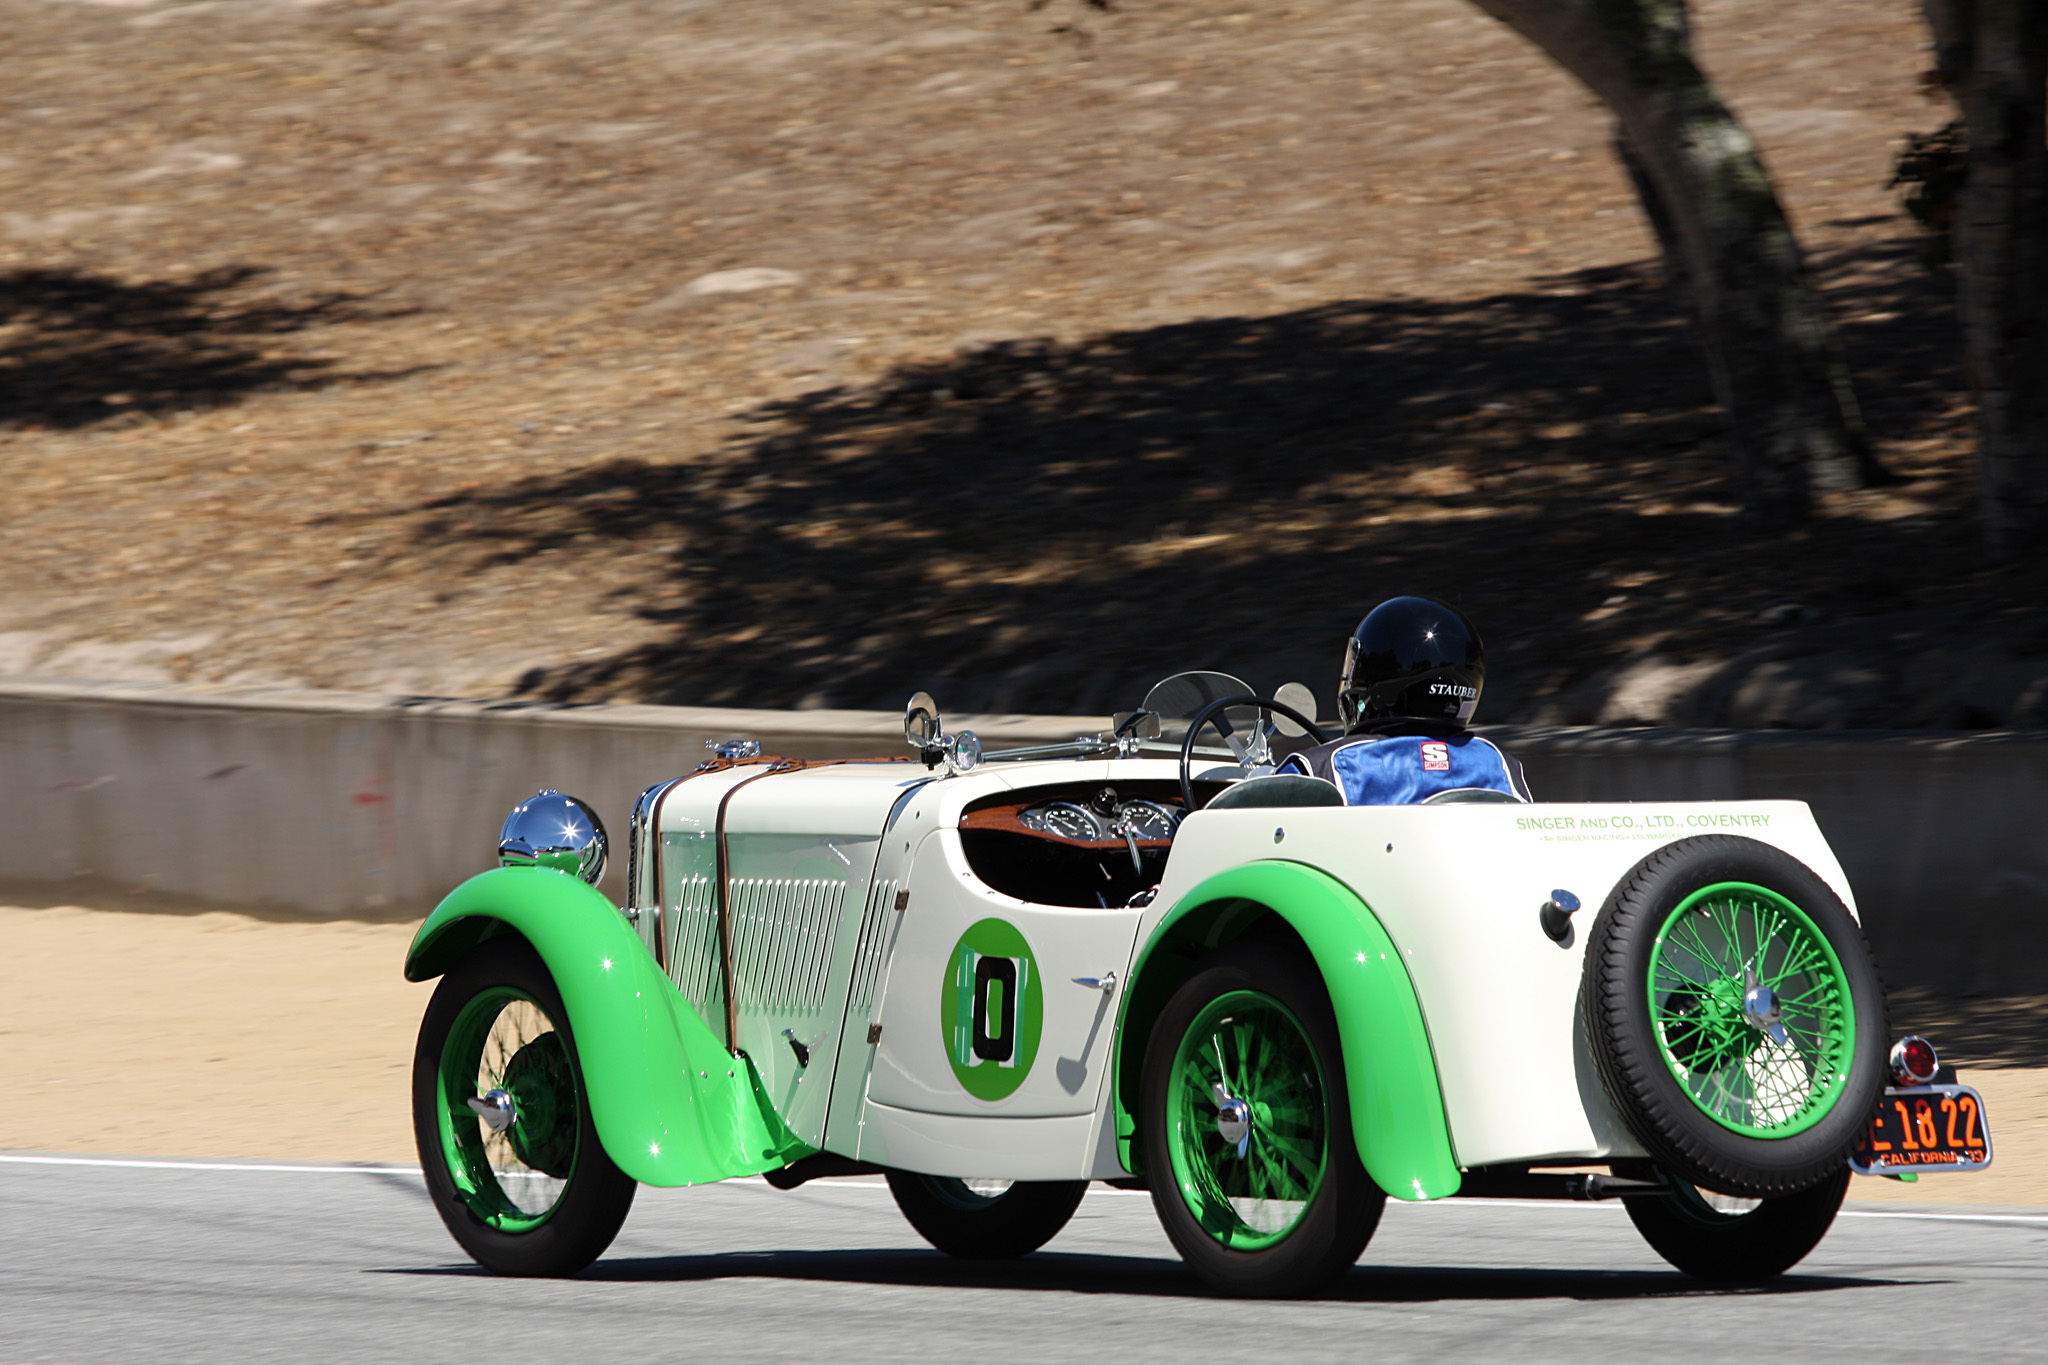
(166, 1262)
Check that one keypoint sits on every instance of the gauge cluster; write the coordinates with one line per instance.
(1074, 843)
(1110, 818)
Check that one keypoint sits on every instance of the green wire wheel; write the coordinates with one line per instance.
(1245, 1130)
(504, 1059)
(506, 1141)
(1249, 1135)
(1736, 1017)
(1753, 1012)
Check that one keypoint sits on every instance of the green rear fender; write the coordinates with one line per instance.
(671, 1105)
(1397, 1109)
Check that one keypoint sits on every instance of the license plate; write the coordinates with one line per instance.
(1925, 1128)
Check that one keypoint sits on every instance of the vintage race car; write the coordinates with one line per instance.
(994, 977)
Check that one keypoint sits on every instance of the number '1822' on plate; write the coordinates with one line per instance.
(1928, 1127)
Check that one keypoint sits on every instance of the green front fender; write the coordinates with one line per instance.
(672, 1106)
(1397, 1108)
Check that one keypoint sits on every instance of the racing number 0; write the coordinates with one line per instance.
(995, 1009)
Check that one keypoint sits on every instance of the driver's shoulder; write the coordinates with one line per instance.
(1320, 755)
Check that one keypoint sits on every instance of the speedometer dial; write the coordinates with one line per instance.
(1063, 818)
(1146, 819)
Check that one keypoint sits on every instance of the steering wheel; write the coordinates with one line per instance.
(1203, 717)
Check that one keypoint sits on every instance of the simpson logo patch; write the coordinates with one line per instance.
(1436, 757)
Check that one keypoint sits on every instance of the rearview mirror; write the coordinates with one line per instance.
(1135, 724)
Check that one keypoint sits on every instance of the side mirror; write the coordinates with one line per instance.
(926, 734)
(1298, 696)
(921, 726)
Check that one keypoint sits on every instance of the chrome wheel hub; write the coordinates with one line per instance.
(1233, 1120)
(1761, 1011)
(496, 1109)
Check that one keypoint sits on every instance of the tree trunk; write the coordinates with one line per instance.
(1771, 348)
(1993, 54)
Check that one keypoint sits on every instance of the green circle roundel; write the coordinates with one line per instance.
(992, 1009)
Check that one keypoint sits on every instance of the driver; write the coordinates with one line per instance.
(1412, 674)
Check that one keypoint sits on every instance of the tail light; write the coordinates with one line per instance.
(1914, 1060)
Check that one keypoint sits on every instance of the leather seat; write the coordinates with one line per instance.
(1277, 789)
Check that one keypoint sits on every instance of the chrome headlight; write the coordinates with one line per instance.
(549, 829)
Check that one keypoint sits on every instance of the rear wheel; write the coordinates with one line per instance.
(1715, 1237)
(503, 1124)
(985, 1220)
(1246, 1127)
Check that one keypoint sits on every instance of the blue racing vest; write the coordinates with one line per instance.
(1399, 770)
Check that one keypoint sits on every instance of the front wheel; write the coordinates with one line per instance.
(1736, 1241)
(985, 1220)
(1245, 1122)
(506, 1141)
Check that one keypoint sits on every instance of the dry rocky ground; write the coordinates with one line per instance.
(804, 353)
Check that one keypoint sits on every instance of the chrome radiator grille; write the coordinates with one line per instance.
(782, 933)
(782, 941)
(693, 951)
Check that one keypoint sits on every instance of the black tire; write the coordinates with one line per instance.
(1344, 1208)
(561, 1153)
(985, 1226)
(1749, 1160)
(1738, 1248)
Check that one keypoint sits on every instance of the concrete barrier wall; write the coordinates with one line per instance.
(341, 804)
(344, 804)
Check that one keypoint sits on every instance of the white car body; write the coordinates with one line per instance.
(835, 964)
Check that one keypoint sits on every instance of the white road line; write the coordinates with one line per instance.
(131, 1164)
(1610, 1206)
(1614, 1206)
(1947, 1217)
(1579, 1205)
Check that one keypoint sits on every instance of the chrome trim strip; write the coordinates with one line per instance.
(654, 825)
(721, 890)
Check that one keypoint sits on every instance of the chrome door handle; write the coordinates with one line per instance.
(1104, 983)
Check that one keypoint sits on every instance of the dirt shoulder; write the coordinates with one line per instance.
(210, 1035)
(218, 1035)
(811, 353)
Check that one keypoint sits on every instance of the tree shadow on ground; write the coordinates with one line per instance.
(1050, 525)
(78, 349)
(1153, 1277)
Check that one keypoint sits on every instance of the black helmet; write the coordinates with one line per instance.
(1412, 657)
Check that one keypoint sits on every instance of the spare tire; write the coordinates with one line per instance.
(1736, 1016)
